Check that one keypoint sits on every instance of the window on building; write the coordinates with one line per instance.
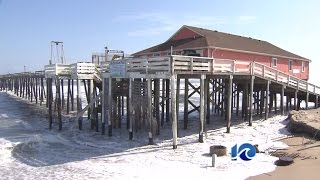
(290, 65)
(274, 62)
(302, 66)
(156, 54)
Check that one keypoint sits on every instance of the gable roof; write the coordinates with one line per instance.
(207, 38)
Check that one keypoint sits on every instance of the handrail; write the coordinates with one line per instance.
(288, 76)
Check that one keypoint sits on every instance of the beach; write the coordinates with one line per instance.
(28, 149)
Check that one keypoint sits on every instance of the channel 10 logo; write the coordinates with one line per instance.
(245, 151)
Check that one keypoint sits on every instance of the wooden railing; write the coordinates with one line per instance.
(184, 65)
(267, 72)
(53, 70)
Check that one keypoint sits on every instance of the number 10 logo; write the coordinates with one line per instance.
(245, 151)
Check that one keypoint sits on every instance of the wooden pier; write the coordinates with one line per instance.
(145, 93)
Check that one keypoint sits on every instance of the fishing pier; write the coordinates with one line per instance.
(146, 93)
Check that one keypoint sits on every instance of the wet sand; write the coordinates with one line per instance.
(306, 161)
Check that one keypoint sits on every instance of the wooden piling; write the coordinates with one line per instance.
(49, 100)
(104, 105)
(149, 111)
(110, 106)
(207, 97)
(163, 100)
(282, 100)
(229, 102)
(202, 107)
(58, 95)
(267, 101)
(167, 100)
(157, 103)
(251, 99)
(173, 107)
(79, 104)
(130, 106)
(186, 103)
(295, 102)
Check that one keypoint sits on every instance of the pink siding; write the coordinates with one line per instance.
(282, 63)
(185, 33)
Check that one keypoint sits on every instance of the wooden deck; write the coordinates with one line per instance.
(150, 91)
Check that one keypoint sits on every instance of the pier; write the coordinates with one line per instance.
(145, 93)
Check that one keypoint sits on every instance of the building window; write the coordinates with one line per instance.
(290, 65)
(274, 62)
(156, 54)
(302, 66)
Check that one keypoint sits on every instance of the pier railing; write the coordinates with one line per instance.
(199, 65)
(176, 65)
(267, 72)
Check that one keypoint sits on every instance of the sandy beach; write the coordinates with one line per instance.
(304, 150)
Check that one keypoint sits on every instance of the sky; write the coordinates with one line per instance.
(85, 26)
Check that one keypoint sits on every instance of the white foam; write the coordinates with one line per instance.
(4, 116)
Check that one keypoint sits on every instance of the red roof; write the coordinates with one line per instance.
(205, 38)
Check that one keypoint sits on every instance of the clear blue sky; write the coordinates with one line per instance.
(86, 26)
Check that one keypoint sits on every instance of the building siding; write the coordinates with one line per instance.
(282, 63)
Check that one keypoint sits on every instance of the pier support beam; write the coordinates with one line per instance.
(149, 111)
(307, 99)
(157, 103)
(202, 107)
(110, 106)
(266, 110)
(58, 97)
(251, 100)
(131, 115)
(186, 103)
(104, 105)
(207, 99)
(168, 100)
(79, 104)
(282, 100)
(174, 113)
(229, 103)
(49, 100)
(295, 103)
(177, 103)
(163, 87)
